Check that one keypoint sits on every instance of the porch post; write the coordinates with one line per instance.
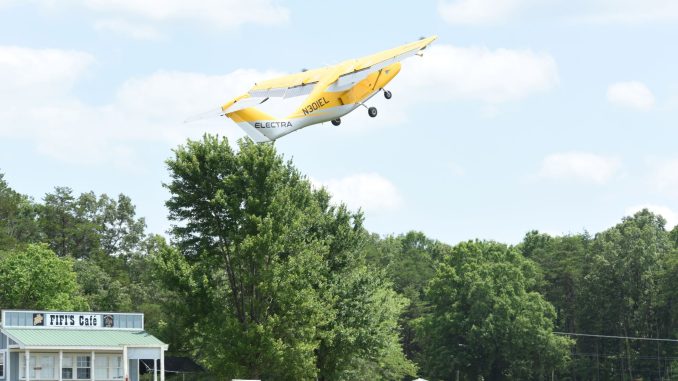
(61, 365)
(125, 365)
(28, 364)
(155, 369)
(162, 364)
(91, 375)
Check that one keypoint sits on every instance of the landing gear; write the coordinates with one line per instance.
(387, 94)
(372, 112)
(336, 122)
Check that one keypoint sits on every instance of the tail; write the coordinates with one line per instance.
(257, 124)
(260, 126)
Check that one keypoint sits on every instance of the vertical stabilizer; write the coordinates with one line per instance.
(260, 126)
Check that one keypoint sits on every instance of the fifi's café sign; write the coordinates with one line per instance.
(71, 320)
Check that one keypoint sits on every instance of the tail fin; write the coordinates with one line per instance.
(260, 126)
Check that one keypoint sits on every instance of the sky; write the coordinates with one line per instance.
(557, 115)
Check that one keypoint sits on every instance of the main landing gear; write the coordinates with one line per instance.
(336, 122)
(372, 111)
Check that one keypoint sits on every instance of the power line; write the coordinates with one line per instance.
(615, 337)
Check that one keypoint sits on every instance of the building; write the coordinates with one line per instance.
(62, 346)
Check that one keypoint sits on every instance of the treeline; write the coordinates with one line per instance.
(76, 252)
(266, 278)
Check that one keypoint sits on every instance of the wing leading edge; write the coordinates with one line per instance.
(350, 71)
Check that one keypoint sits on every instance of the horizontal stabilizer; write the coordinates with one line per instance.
(243, 103)
(253, 133)
(215, 113)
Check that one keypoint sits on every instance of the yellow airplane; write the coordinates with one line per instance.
(331, 92)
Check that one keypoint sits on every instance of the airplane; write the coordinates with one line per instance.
(331, 92)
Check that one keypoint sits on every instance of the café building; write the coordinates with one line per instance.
(63, 346)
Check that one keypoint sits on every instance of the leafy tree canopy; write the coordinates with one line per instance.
(35, 278)
(486, 318)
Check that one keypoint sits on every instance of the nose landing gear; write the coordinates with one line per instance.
(336, 122)
(387, 94)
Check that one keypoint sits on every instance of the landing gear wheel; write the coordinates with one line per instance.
(372, 111)
(387, 94)
(336, 122)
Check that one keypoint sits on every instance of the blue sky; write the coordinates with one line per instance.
(552, 115)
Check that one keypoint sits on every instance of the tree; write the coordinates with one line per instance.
(35, 278)
(17, 218)
(560, 261)
(88, 226)
(410, 261)
(266, 261)
(621, 295)
(486, 320)
(102, 292)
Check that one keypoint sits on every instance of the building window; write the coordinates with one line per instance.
(83, 367)
(108, 367)
(116, 368)
(42, 366)
(67, 368)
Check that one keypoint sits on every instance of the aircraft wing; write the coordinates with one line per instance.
(366, 65)
(348, 72)
(292, 85)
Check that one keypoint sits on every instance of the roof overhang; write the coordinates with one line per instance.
(80, 339)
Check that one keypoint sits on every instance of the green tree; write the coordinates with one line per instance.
(90, 226)
(266, 261)
(35, 278)
(621, 296)
(560, 261)
(121, 232)
(17, 218)
(102, 292)
(486, 320)
(410, 262)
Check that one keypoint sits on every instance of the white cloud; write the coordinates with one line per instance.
(478, 12)
(664, 177)
(39, 107)
(369, 191)
(579, 166)
(488, 12)
(632, 11)
(219, 13)
(456, 169)
(125, 28)
(39, 72)
(669, 214)
(632, 94)
(448, 72)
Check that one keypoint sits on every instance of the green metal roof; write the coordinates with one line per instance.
(80, 337)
